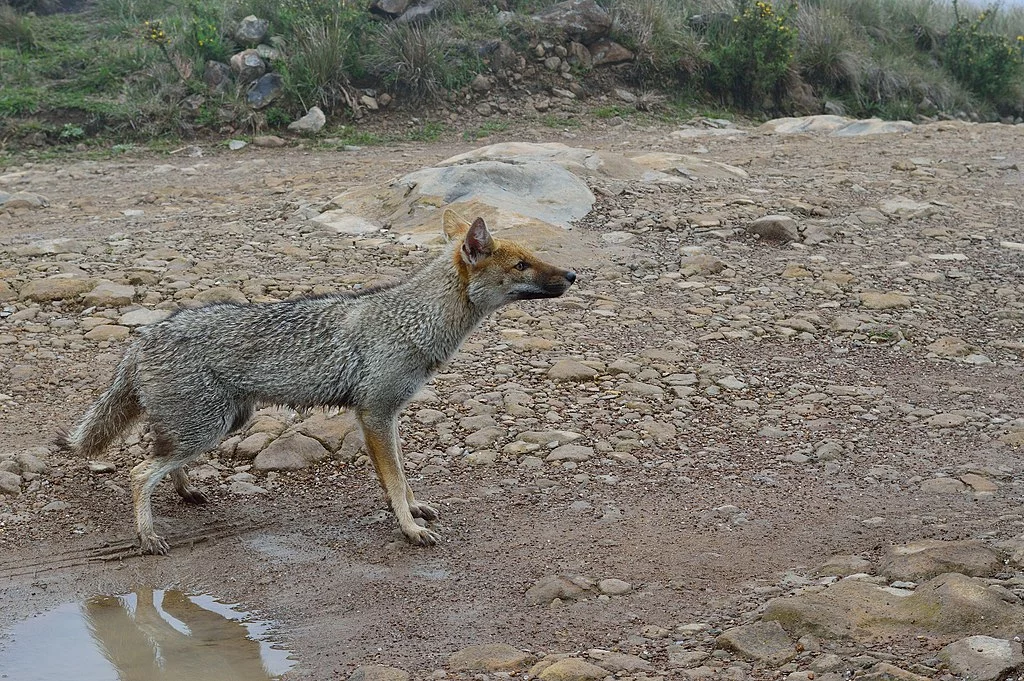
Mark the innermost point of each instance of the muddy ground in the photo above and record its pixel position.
(822, 432)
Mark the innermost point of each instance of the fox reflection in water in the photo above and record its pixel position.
(143, 644)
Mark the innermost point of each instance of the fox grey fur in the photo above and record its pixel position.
(201, 373)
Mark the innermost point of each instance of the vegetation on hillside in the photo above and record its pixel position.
(134, 69)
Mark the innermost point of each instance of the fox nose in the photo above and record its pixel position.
(570, 276)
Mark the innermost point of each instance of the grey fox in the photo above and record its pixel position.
(200, 373)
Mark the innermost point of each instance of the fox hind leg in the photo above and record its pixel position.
(183, 486)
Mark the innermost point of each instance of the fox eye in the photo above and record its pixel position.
(522, 265)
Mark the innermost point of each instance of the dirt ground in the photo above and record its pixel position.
(808, 411)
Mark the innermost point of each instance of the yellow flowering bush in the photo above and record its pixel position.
(988, 64)
(751, 61)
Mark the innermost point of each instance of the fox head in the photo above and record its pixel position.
(496, 271)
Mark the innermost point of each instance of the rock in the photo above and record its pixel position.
(55, 288)
(50, 247)
(489, 657)
(221, 294)
(619, 662)
(23, 200)
(906, 209)
(547, 589)
(983, 658)
(874, 300)
(10, 483)
(265, 90)
(481, 83)
(291, 451)
(251, 30)
(252, 445)
(108, 294)
(237, 145)
(852, 608)
(377, 672)
(582, 21)
(330, 430)
(217, 76)
(614, 587)
(369, 102)
(836, 126)
(950, 346)
(390, 8)
(484, 109)
(775, 228)
(101, 467)
(920, 560)
(883, 671)
(419, 13)
(108, 332)
(143, 317)
(248, 66)
(573, 669)
(569, 370)
(943, 486)
(571, 453)
(605, 51)
(311, 123)
(245, 488)
(872, 126)
(32, 460)
(764, 641)
(843, 566)
(533, 188)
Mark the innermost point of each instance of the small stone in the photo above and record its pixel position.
(108, 332)
(572, 371)
(983, 658)
(573, 669)
(109, 294)
(481, 83)
(762, 641)
(614, 587)
(55, 288)
(571, 453)
(101, 467)
(489, 657)
(873, 300)
(245, 488)
(143, 317)
(251, 30)
(292, 451)
(235, 145)
(775, 228)
(311, 123)
(10, 483)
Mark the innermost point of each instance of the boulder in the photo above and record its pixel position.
(764, 641)
(852, 608)
(248, 66)
(265, 90)
(927, 558)
(983, 658)
(251, 30)
(489, 657)
(311, 123)
(583, 21)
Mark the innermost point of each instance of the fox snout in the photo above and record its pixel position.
(551, 285)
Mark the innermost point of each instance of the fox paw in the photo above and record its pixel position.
(421, 536)
(154, 544)
(191, 495)
(423, 510)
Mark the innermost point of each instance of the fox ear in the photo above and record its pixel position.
(454, 224)
(478, 243)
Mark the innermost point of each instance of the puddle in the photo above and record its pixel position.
(149, 635)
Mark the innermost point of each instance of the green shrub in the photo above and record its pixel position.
(421, 62)
(658, 33)
(751, 59)
(317, 73)
(829, 55)
(16, 30)
(986, 63)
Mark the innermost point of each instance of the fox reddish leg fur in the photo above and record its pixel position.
(200, 374)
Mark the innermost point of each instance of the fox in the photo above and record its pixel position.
(201, 373)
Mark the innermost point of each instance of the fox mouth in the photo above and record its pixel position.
(546, 291)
